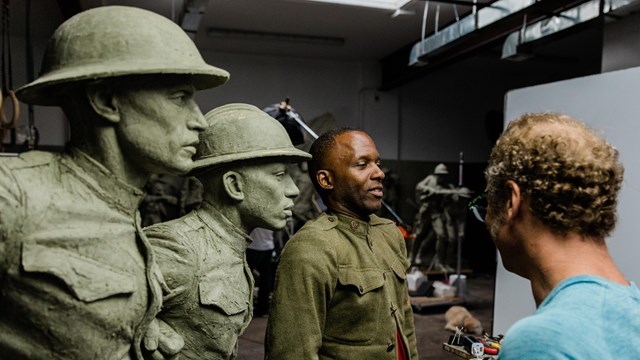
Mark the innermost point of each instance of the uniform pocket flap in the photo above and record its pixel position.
(364, 280)
(399, 269)
(230, 301)
(88, 279)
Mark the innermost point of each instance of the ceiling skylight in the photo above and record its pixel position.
(376, 4)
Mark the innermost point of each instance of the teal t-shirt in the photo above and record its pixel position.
(584, 317)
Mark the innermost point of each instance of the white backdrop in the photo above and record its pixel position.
(609, 102)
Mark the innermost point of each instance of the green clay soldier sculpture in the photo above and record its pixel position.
(77, 276)
(242, 163)
(438, 199)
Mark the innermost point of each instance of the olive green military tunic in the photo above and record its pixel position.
(341, 292)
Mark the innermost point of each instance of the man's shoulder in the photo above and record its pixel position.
(545, 336)
(176, 229)
(30, 159)
(30, 175)
(31, 166)
(315, 243)
(376, 220)
(178, 246)
(386, 227)
(533, 330)
(317, 233)
(324, 222)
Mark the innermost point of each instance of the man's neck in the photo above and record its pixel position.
(105, 150)
(339, 208)
(557, 258)
(230, 212)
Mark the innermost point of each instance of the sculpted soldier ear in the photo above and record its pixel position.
(102, 100)
(233, 183)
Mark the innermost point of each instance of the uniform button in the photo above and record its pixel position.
(390, 347)
(355, 225)
(332, 219)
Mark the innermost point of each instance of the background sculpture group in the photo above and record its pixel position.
(440, 219)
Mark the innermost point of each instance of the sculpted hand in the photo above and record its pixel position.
(161, 342)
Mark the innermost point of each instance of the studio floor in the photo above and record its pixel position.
(429, 323)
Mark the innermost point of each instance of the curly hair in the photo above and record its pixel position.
(320, 150)
(570, 174)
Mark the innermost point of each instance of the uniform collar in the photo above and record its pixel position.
(109, 188)
(353, 224)
(228, 233)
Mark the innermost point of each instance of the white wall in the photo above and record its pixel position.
(608, 102)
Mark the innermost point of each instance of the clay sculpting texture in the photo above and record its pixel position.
(202, 256)
(71, 268)
(241, 162)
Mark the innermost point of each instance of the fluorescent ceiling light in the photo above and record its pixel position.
(376, 4)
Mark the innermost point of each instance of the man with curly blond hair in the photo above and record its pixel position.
(552, 185)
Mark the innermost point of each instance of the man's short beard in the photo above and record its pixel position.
(499, 219)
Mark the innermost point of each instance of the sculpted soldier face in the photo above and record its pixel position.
(354, 175)
(159, 124)
(269, 192)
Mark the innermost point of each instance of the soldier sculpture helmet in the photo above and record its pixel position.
(113, 41)
(239, 132)
(441, 169)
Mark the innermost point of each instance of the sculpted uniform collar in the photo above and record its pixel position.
(229, 233)
(115, 192)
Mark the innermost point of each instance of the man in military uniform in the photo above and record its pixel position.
(341, 289)
(242, 163)
(78, 277)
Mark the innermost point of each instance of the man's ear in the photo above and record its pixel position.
(325, 179)
(233, 184)
(102, 100)
(514, 200)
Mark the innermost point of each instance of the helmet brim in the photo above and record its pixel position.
(48, 88)
(288, 154)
